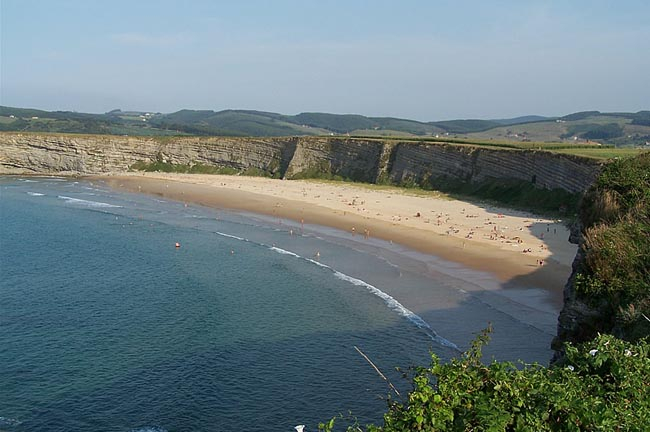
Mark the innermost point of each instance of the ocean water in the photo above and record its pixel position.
(106, 326)
(250, 325)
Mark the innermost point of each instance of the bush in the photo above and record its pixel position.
(160, 166)
(602, 385)
(615, 214)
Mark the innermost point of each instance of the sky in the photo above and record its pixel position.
(424, 60)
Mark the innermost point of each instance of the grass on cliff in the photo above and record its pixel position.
(507, 193)
(198, 169)
(616, 270)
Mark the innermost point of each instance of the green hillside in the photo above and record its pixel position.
(618, 129)
(231, 123)
(466, 126)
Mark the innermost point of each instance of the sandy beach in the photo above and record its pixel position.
(520, 249)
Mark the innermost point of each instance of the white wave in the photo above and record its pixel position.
(284, 252)
(320, 264)
(87, 203)
(34, 194)
(6, 421)
(230, 236)
(28, 180)
(397, 307)
(389, 300)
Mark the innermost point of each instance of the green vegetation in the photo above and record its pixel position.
(620, 129)
(580, 115)
(604, 132)
(615, 273)
(601, 152)
(229, 123)
(335, 122)
(511, 193)
(603, 385)
(397, 190)
(160, 166)
(642, 118)
(465, 126)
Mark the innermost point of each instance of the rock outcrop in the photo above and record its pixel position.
(365, 160)
(609, 289)
(424, 162)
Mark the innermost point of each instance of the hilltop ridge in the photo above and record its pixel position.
(619, 129)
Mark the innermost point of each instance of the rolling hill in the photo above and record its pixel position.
(620, 129)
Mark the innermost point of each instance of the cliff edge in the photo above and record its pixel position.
(609, 289)
(425, 164)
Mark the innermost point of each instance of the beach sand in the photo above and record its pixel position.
(504, 244)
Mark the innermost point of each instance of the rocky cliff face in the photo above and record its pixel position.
(89, 154)
(422, 163)
(578, 321)
(355, 159)
(363, 160)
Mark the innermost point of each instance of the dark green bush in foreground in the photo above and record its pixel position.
(603, 385)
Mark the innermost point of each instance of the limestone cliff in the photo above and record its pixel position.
(94, 154)
(366, 160)
(425, 162)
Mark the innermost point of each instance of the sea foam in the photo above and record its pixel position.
(230, 236)
(387, 298)
(87, 203)
(6, 421)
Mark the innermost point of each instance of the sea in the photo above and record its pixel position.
(128, 312)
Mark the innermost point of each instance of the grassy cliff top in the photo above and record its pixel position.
(618, 129)
(615, 272)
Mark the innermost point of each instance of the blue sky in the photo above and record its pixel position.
(426, 60)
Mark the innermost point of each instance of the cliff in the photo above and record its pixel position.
(609, 289)
(367, 160)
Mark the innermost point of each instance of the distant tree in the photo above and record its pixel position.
(608, 131)
(642, 118)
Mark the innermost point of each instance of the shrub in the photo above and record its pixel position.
(615, 214)
(602, 385)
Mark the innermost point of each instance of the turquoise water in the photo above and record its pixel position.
(105, 325)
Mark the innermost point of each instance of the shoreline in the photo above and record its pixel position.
(482, 238)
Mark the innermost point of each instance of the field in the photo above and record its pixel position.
(584, 128)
